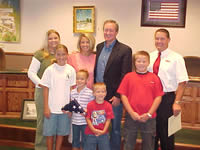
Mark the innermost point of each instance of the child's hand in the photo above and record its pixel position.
(144, 117)
(47, 112)
(98, 132)
(68, 113)
(135, 116)
(84, 113)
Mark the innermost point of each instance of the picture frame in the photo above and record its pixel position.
(28, 110)
(163, 13)
(83, 19)
(10, 21)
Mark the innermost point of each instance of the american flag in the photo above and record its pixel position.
(164, 10)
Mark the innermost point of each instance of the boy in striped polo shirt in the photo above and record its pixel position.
(83, 95)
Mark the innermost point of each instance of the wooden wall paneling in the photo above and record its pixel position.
(15, 88)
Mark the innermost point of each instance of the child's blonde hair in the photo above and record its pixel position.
(58, 47)
(84, 71)
(97, 85)
(143, 53)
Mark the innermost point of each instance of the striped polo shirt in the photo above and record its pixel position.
(83, 98)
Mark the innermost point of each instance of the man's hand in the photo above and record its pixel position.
(115, 101)
(176, 109)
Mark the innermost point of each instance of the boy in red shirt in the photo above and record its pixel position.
(99, 115)
(141, 93)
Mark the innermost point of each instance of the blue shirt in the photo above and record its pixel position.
(102, 61)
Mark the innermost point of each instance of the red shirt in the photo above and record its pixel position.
(98, 114)
(141, 90)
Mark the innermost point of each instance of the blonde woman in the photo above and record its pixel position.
(85, 58)
(40, 61)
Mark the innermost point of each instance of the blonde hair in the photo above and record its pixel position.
(45, 49)
(91, 39)
(141, 52)
(97, 85)
(60, 46)
(84, 71)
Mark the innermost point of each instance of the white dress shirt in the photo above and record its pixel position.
(172, 69)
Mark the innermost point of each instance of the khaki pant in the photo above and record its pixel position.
(40, 140)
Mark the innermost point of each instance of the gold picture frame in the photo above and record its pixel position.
(83, 19)
(28, 110)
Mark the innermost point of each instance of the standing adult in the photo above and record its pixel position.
(40, 61)
(85, 58)
(170, 67)
(113, 61)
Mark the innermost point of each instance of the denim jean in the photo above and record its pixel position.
(93, 141)
(147, 130)
(115, 135)
(78, 135)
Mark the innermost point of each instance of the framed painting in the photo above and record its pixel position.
(9, 20)
(28, 110)
(83, 19)
(163, 13)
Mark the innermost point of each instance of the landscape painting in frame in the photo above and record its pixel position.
(9, 20)
(83, 19)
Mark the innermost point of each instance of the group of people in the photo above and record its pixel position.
(102, 83)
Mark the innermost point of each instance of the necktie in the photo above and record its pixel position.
(156, 64)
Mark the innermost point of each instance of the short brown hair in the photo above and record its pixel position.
(114, 22)
(97, 85)
(164, 31)
(84, 71)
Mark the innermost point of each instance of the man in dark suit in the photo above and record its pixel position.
(113, 61)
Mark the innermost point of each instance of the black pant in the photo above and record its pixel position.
(164, 111)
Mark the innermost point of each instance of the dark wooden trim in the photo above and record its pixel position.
(16, 143)
(19, 53)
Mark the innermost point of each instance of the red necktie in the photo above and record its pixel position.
(156, 64)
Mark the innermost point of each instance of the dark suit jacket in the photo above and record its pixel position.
(119, 63)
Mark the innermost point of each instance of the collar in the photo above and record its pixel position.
(81, 90)
(142, 73)
(111, 45)
(165, 52)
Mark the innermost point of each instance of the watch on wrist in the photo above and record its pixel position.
(177, 102)
(149, 115)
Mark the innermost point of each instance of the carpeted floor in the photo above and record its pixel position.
(186, 136)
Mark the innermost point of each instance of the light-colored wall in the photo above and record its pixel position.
(37, 16)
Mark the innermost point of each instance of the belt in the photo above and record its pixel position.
(169, 93)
